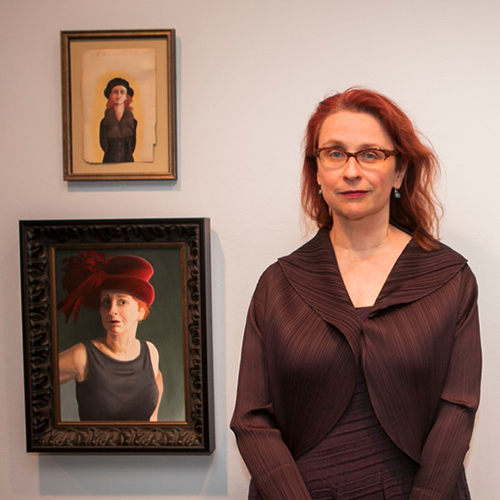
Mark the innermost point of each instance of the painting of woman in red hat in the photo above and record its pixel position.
(117, 376)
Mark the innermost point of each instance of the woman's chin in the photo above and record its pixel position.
(115, 331)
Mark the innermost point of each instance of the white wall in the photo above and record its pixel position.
(249, 75)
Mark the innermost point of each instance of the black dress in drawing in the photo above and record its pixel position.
(118, 137)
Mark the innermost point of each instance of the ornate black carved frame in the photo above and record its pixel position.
(45, 432)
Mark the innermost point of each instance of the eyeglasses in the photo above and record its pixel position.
(337, 157)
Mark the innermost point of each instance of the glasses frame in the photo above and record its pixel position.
(387, 153)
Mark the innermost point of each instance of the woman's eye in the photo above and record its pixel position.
(371, 155)
(335, 154)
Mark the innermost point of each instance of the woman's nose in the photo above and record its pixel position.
(352, 169)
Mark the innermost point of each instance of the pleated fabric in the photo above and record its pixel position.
(357, 460)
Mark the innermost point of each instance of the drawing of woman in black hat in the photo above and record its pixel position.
(117, 375)
(117, 134)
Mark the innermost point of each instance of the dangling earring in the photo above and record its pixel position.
(319, 191)
(397, 194)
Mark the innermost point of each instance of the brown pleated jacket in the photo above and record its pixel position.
(419, 349)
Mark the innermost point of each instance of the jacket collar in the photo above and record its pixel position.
(313, 272)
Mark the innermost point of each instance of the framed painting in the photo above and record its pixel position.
(117, 335)
(118, 105)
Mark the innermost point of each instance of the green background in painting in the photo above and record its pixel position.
(163, 327)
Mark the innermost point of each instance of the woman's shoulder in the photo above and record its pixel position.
(304, 255)
(74, 361)
(152, 348)
(80, 354)
(441, 256)
(77, 349)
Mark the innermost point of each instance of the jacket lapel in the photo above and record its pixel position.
(418, 273)
(313, 272)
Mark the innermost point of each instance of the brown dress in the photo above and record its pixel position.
(357, 459)
(305, 353)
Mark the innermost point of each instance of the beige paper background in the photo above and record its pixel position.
(138, 67)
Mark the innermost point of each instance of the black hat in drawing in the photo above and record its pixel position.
(118, 81)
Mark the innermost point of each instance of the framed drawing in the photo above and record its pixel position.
(118, 104)
(117, 335)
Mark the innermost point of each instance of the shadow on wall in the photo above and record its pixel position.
(168, 476)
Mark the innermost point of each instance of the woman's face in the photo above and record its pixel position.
(351, 191)
(118, 94)
(120, 312)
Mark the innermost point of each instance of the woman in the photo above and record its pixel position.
(361, 360)
(117, 135)
(117, 376)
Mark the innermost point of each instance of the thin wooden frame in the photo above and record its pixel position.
(145, 59)
(175, 247)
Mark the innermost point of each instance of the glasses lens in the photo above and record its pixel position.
(333, 156)
(370, 156)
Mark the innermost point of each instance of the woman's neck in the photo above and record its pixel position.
(366, 254)
(119, 110)
(120, 344)
(361, 236)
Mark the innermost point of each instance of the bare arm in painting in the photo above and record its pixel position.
(155, 358)
(73, 364)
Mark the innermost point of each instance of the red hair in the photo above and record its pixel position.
(143, 305)
(417, 209)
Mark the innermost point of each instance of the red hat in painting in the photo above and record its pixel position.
(89, 273)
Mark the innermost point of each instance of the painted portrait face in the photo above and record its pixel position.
(353, 191)
(119, 94)
(120, 312)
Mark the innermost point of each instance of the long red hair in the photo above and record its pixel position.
(417, 209)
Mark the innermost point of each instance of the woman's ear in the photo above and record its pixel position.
(400, 175)
(142, 312)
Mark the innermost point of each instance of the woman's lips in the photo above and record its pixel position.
(358, 193)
